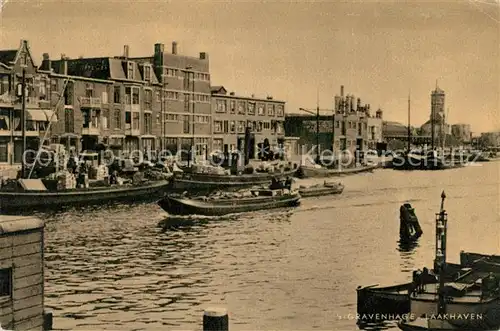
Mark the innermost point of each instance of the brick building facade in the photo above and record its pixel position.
(38, 109)
(232, 114)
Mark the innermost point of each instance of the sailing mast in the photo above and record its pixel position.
(409, 125)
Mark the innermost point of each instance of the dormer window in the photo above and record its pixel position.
(147, 73)
(130, 71)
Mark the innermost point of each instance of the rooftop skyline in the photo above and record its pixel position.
(380, 51)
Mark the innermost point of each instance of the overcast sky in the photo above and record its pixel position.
(378, 50)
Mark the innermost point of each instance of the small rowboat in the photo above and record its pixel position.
(320, 190)
(218, 206)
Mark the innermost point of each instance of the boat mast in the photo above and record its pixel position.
(432, 119)
(317, 126)
(409, 127)
(61, 98)
(440, 259)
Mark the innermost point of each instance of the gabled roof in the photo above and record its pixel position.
(218, 89)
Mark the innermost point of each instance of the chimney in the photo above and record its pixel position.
(203, 56)
(174, 47)
(159, 48)
(253, 96)
(125, 51)
(269, 97)
(341, 91)
(63, 66)
(232, 93)
(158, 60)
(46, 63)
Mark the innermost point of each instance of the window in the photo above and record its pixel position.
(116, 94)
(43, 89)
(241, 126)
(267, 125)
(128, 120)
(251, 108)
(128, 95)
(68, 94)
(217, 145)
(147, 73)
(148, 99)
(281, 111)
(130, 71)
(270, 110)
(148, 124)
(104, 97)
(4, 155)
(105, 119)
(260, 109)
(4, 84)
(6, 282)
(135, 95)
(69, 124)
(23, 59)
(118, 119)
(158, 96)
(186, 124)
(232, 106)
(241, 107)
(217, 126)
(233, 126)
(225, 128)
(260, 126)
(170, 72)
(136, 121)
(221, 106)
(337, 124)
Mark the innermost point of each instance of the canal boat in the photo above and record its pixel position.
(468, 258)
(320, 172)
(321, 189)
(222, 204)
(209, 182)
(27, 200)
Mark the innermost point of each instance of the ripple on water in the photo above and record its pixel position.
(132, 268)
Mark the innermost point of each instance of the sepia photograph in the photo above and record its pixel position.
(242, 165)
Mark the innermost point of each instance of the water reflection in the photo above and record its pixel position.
(407, 247)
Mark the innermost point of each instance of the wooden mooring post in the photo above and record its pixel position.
(215, 319)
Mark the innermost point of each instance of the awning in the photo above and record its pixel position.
(36, 115)
(51, 116)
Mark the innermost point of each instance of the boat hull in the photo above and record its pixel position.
(321, 191)
(24, 201)
(383, 302)
(465, 315)
(209, 182)
(311, 172)
(185, 206)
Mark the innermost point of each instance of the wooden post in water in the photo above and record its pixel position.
(215, 319)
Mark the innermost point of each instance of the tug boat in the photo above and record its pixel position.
(223, 204)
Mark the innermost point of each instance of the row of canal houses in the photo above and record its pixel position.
(159, 102)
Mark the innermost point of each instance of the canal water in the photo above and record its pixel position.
(115, 268)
